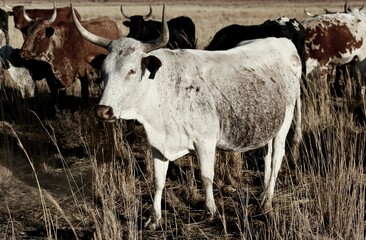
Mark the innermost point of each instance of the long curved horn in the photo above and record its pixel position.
(163, 39)
(309, 14)
(124, 13)
(6, 6)
(363, 5)
(100, 41)
(29, 19)
(147, 16)
(328, 12)
(54, 15)
(346, 9)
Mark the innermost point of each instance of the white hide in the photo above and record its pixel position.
(23, 81)
(2, 37)
(240, 99)
(17, 78)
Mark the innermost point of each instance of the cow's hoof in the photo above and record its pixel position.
(151, 225)
(209, 216)
(267, 208)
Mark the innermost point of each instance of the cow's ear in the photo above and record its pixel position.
(152, 64)
(95, 60)
(126, 23)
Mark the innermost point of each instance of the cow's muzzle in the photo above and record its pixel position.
(25, 54)
(104, 113)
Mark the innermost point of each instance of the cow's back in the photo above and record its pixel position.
(109, 30)
(257, 100)
(227, 86)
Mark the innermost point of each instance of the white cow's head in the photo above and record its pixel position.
(126, 70)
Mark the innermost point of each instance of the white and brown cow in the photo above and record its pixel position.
(240, 99)
(335, 38)
(13, 76)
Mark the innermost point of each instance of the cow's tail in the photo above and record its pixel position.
(297, 137)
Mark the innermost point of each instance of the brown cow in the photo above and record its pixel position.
(20, 22)
(61, 45)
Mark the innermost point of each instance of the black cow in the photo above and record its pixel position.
(228, 37)
(4, 27)
(182, 31)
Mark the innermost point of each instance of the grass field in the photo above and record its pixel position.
(72, 177)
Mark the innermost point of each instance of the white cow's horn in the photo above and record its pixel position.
(54, 15)
(7, 6)
(91, 37)
(163, 39)
(29, 19)
(309, 14)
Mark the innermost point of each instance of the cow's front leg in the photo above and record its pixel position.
(160, 170)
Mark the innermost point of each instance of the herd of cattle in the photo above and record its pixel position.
(240, 93)
(54, 51)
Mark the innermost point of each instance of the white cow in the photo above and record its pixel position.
(17, 78)
(240, 99)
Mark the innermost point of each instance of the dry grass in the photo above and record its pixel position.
(91, 181)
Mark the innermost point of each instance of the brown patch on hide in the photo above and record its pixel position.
(331, 39)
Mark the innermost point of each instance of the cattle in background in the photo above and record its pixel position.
(228, 37)
(240, 99)
(337, 39)
(14, 76)
(38, 70)
(22, 23)
(181, 29)
(4, 27)
(64, 49)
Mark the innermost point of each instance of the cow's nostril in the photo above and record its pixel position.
(104, 112)
(109, 113)
(24, 54)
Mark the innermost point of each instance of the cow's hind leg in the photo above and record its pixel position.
(274, 159)
(160, 170)
(206, 155)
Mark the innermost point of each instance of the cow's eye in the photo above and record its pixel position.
(131, 72)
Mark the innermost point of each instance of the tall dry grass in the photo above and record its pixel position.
(105, 191)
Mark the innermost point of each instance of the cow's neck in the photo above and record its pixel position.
(66, 62)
